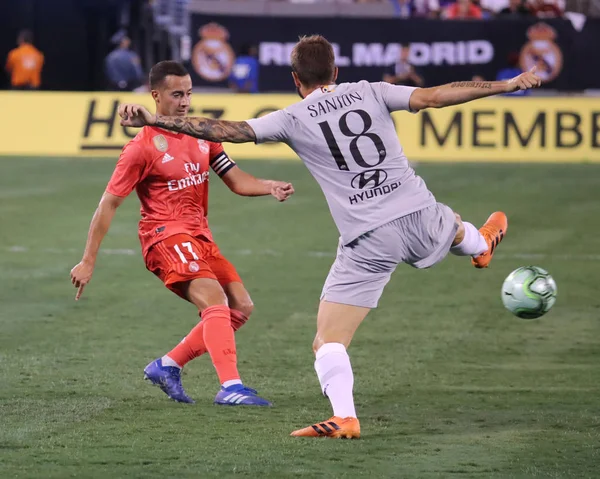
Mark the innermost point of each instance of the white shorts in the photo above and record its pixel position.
(362, 268)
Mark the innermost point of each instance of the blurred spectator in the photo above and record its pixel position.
(416, 8)
(403, 73)
(463, 10)
(403, 8)
(444, 5)
(512, 70)
(24, 63)
(491, 8)
(516, 8)
(123, 67)
(477, 78)
(244, 74)
(543, 9)
(426, 8)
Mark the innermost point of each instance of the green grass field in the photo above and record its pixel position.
(448, 383)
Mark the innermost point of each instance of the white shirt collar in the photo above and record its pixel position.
(322, 90)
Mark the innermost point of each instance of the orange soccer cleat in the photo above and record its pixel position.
(335, 427)
(493, 231)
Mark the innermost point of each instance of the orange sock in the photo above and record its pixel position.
(187, 349)
(193, 344)
(220, 341)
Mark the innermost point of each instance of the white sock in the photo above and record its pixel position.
(333, 368)
(473, 244)
(167, 361)
(231, 382)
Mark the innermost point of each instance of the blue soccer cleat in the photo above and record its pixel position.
(168, 378)
(239, 395)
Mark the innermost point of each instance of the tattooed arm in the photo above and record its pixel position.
(464, 91)
(207, 129)
(218, 131)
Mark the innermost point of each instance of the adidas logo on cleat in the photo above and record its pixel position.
(234, 398)
(497, 240)
(325, 428)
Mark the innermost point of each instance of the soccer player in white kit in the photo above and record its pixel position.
(384, 212)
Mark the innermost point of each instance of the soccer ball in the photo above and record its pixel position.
(529, 292)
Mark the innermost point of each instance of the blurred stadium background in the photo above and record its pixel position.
(448, 383)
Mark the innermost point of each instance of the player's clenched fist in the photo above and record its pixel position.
(525, 81)
(81, 275)
(281, 190)
(135, 115)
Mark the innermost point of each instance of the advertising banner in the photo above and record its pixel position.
(495, 129)
(366, 48)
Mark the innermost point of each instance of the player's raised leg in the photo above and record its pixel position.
(480, 244)
(493, 231)
(336, 325)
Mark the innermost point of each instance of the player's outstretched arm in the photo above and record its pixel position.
(81, 274)
(244, 184)
(219, 131)
(464, 91)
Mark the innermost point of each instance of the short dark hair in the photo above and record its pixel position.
(26, 36)
(163, 69)
(313, 61)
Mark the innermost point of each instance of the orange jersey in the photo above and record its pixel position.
(25, 66)
(169, 172)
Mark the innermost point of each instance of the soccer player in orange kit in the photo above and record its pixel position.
(170, 172)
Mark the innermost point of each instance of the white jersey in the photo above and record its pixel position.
(346, 137)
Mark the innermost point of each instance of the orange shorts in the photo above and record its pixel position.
(181, 258)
